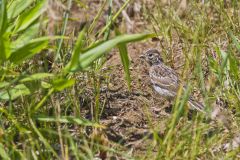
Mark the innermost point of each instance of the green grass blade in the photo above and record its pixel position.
(3, 17)
(27, 18)
(17, 7)
(63, 30)
(225, 57)
(234, 63)
(61, 84)
(4, 47)
(35, 77)
(68, 119)
(108, 20)
(4, 84)
(4, 37)
(114, 18)
(15, 92)
(77, 49)
(30, 49)
(96, 18)
(125, 60)
(26, 36)
(3, 153)
(41, 138)
(235, 41)
(86, 59)
(44, 99)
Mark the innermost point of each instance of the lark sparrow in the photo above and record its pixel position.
(164, 79)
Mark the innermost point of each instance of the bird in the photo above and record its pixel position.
(164, 79)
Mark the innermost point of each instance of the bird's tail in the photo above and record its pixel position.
(196, 105)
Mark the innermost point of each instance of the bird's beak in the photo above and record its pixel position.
(142, 56)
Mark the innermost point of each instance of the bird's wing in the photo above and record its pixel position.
(164, 77)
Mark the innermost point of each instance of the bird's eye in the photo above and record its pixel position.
(150, 54)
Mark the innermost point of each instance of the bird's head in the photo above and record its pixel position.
(152, 56)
